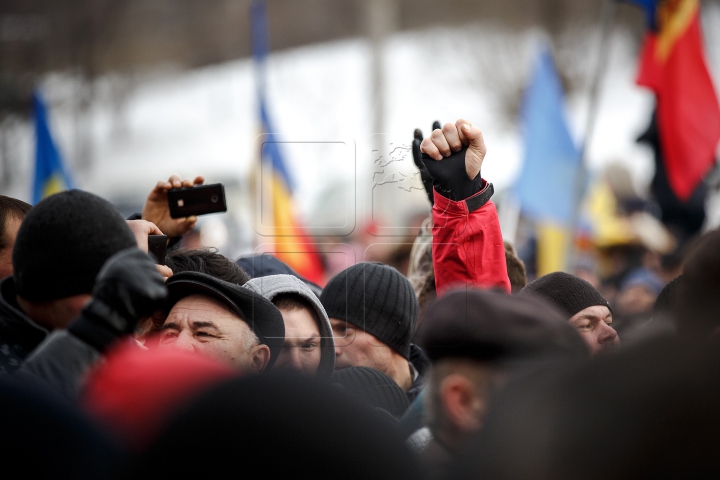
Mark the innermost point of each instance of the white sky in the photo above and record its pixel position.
(204, 122)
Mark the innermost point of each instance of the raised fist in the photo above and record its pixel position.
(453, 157)
(451, 139)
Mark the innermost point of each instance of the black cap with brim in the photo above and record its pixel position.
(496, 327)
(259, 313)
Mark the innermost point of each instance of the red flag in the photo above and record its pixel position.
(672, 64)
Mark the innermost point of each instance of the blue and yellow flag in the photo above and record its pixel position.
(548, 182)
(292, 244)
(50, 173)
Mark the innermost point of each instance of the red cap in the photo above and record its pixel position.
(135, 392)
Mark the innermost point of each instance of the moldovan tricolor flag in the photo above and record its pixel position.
(292, 244)
(672, 64)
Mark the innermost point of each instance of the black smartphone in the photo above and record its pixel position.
(157, 247)
(200, 200)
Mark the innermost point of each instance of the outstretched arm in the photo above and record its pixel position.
(467, 242)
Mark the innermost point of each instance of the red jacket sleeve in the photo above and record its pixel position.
(468, 247)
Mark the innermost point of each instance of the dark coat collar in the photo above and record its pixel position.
(16, 328)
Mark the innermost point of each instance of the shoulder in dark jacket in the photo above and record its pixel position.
(18, 334)
(420, 361)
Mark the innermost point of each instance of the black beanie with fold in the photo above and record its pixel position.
(373, 388)
(378, 299)
(62, 244)
(569, 293)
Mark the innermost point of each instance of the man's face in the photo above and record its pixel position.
(201, 324)
(301, 348)
(12, 225)
(355, 347)
(595, 326)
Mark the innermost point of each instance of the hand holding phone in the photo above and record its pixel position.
(156, 208)
(157, 247)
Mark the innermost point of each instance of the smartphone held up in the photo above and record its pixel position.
(197, 200)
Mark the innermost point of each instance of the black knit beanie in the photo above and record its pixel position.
(373, 388)
(376, 298)
(569, 293)
(62, 244)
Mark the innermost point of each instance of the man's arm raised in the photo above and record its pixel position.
(467, 241)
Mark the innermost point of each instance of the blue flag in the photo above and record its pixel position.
(548, 182)
(50, 174)
(295, 250)
(261, 48)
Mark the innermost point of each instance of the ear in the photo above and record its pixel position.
(464, 406)
(260, 357)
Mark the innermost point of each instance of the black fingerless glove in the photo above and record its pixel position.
(450, 177)
(127, 288)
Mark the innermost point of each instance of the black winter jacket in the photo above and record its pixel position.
(421, 362)
(18, 334)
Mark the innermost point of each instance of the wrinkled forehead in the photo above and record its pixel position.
(595, 311)
(202, 307)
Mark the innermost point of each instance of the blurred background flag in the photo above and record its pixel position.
(51, 176)
(649, 7)
(292, 243)
(672, 64)
(548, 181)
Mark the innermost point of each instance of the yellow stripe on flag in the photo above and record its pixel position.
(289, 247)
(674, 17)
(552, 243)
(53, 185)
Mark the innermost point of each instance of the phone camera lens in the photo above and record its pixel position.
(214, 199)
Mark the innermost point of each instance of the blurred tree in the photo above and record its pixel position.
(88, 38)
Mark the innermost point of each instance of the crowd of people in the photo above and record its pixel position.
(112, 366)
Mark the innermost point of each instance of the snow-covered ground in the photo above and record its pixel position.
(204, 122)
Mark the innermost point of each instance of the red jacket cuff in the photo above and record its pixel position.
(452, 207)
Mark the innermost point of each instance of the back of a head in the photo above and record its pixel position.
(281, 424)
(46, 438)
(421, 272)
(567, 292)
(495, 327)
(63, 243)
(12, 213)
(668, 297)
(374, 388)
(134, 392)
(647, 412)
(697, 302)
(10, 208)
(515, 268)
(264, 265)
(206, 260)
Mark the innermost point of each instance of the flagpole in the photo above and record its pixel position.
(607, 24)
(260, 52)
